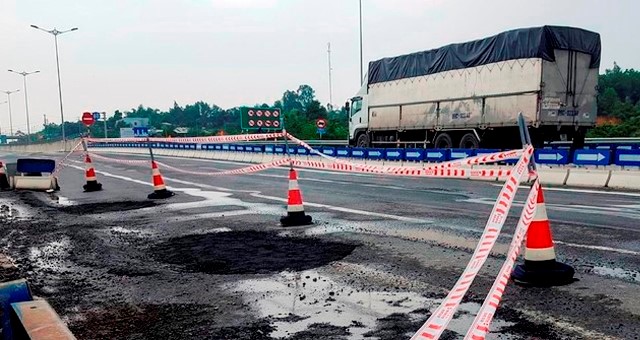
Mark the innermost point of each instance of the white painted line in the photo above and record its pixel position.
(352, 211)
(586, 246)
(583, 191)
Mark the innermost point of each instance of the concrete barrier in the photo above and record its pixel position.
(588, 177)
(625, 179)
(40, 147)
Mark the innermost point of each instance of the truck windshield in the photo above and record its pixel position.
(356, 106)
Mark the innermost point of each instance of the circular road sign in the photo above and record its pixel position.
(267, 123)
(252, 123)
(321, 123)
(259, 123)
(87, 119)
(250, 113)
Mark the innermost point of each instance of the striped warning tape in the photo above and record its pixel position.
(245, 170)
(120, 161)
(61, 164)
(210, 139)
(439, 320)
(480, 326)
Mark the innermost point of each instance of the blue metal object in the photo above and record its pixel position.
(358, 153)
(258, 148)
(437, 155)
(375, 153)
(301, 150)
(462, 153)
(544, 156)
(330, 151)
(591, 157)
(35, 166)
(343, 152)
(268, 148)
(414, 155)
(10, 292)
(627, 157)
(292, 150)
(394, 154)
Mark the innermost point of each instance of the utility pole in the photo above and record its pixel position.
(361, 58)
(330, 84)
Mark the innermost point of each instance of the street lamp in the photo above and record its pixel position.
(55, 34)
(361, 59)
(9, 104)
(26, 101)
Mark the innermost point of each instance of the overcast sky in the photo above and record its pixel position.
(242, 52)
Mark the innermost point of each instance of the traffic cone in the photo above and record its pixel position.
(540, 267)
(295, 207)
(90, 174)
(4, 180)
(159, 189)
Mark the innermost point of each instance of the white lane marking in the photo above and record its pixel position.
(349, 210)
(583, 209)
(279, 199)
(586, 246)
(583, 191)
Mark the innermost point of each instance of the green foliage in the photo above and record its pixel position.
(619, 97)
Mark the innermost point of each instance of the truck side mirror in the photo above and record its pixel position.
(346, 107)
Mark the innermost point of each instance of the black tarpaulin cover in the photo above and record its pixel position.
(536, 42)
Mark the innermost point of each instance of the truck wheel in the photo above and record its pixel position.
(443, 141)
(469, 141)
(363, 141)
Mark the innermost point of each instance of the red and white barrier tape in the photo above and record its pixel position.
(400, 171)
(476, 160)
(439, 320)
(210, 139)
(245, 170)
(121, 161)
(61, 164)
(480, 326)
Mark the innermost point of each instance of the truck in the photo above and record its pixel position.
(469, 95)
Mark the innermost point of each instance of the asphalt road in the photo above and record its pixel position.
(213, 261)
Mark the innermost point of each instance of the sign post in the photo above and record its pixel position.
(321, 124)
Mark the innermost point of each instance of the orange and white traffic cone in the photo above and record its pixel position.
(295, 207)
(90, 175)
(540, 267)
(4, 180)
(159, 189)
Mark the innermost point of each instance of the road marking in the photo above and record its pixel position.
(279, 199)
(583, 191)
(348, 210)
(586, 246)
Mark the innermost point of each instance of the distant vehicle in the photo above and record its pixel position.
(468, 95)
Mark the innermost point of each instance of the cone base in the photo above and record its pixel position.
(543, 274)
(161, 194)
(92, 186)
(295, 219)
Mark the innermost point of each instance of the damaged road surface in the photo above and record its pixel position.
(214, 263)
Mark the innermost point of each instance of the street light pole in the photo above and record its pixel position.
(55, 34)
(361, 58)
(9, 104)
(26, 99)
(4, 102)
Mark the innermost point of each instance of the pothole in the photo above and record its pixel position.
(249, 252)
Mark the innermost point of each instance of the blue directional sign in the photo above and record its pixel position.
(591, 157)
(552, 156)
(358, 153)
(437, 155)
(268, 148)
(302, 150)
(414, 155)
(375, 153)
(329, 151)
(395, 154)
(278, 149)
(627, 157)
(462, 153)
(343, 152)
(96, 116)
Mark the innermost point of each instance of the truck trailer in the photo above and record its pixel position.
(469, 95)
